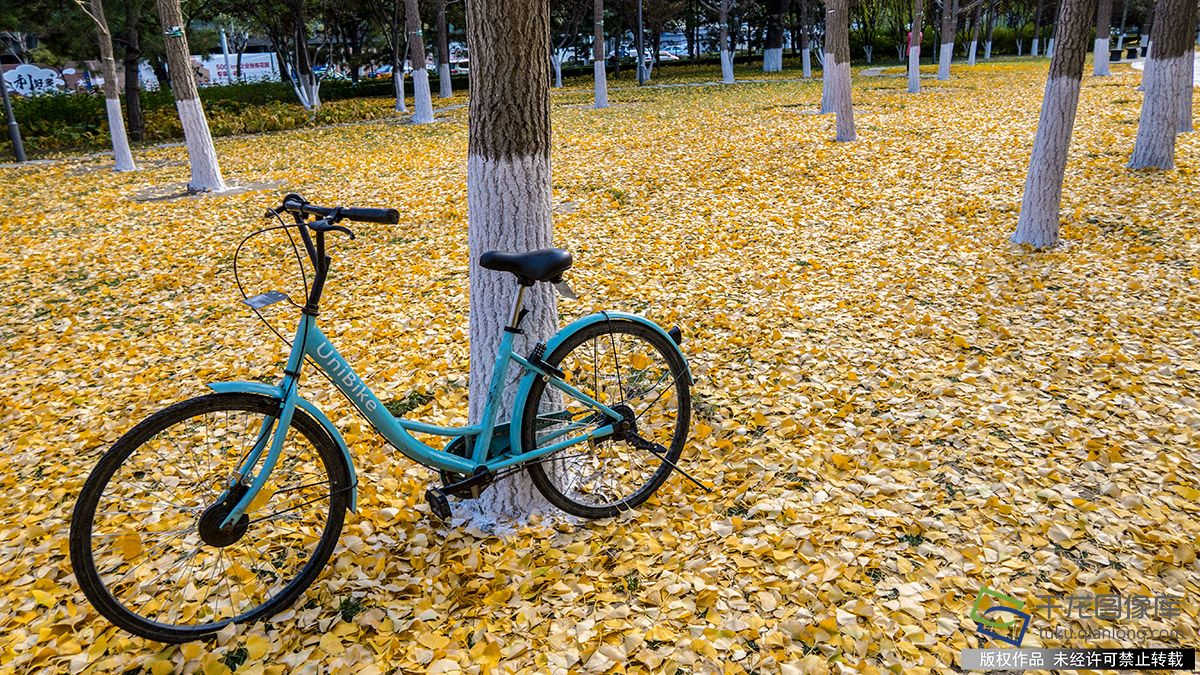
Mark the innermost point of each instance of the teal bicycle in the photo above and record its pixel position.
(225, 508)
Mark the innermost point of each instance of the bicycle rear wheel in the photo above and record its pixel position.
(146, 546)
(633, 369)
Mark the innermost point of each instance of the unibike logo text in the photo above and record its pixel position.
(345, 378)
(988, 611)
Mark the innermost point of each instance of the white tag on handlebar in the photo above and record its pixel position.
(564, 289)
(264, 299)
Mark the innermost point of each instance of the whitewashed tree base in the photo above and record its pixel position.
(1037, 225)
(556, 63)
(806, 63)
(398, 85)
(445, 86)
(773, 60)
(1033, 49)
(600, 88)
(944, 57)
(508, 208)
(1100, 57)
(971, 48)
(206, 172)
(1163, 80)
(838, 86)
(120, 141)
(726, 67)
(987, 51)
(422, 100)
(914, 69)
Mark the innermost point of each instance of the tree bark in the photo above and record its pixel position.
(446, 88)
(837, 67)
(508, 198)
(600, 78)
(773, 48)
(422, 100)
(304, 71)
(112, 99)
(949, 28)
(202, 155)
(133, 55)
(914, 47)
(1100, 50)
(1037, 224)
(1188, 98)
(1165, 81)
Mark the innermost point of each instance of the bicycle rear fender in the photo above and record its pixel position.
(562, 334)
(275, 393)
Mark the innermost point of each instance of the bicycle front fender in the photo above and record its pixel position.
(312, 410)
(579, 324)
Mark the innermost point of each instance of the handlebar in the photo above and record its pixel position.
(297, 205)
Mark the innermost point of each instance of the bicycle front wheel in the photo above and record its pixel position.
(633, 369)
(146, 543)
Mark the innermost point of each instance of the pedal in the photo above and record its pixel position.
(439, 504)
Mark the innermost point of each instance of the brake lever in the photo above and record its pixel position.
(323, 225)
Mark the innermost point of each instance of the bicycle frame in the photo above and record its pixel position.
(310, 341)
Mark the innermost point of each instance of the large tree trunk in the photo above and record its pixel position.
(773, 49)
(112, 100)
(1038, 223)
(1100, 49)
(726, 54)
(1165, 80)
(837, 66)
(805, 31)
(914, 47)
(445, 86)
(508, 198)
(133, 55)
(202, 155)
(949, 28)
(600, 78)
(422, 100)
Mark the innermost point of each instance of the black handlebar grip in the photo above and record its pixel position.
(384, 216)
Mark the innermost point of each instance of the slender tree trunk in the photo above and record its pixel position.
(773, 49)
(1165, 80)
(805, 32)
(914, 47)
(1037, 28)
(202, 155)
(991, 25)
(1121, 30)
(726, 55)
(446, 88)
(1038, 223)
(397, 59)
(556, 64)
(600, 78)
(112, 100)
(133, 55)
(837, 66)
(508, 198)
(949, 28)
(971, 48)
(304, 71)
(422, 100)
(1100, 49)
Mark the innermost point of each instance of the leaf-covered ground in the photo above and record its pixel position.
(895, 406)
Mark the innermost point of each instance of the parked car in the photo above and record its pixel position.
(381, 73)
(460, 67)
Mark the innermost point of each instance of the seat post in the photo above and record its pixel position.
(517, 306)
